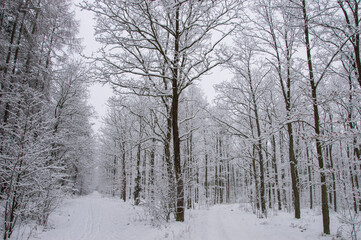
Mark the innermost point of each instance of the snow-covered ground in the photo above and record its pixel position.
(95, 217)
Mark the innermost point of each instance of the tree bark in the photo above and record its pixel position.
(177, 158)
(286, 92)
(274, 161)
(175, 127)
(259, 147)
(294, 172)
(324, 197)
(124, 174)
(355, 38)
(137, 181)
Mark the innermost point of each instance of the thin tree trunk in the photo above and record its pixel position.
(259, 147)
(114, 174)
(215, 191)
(124, 175)
(286, 92)
(228, 188)
(333, 180)
(255, 178)
(137, 181)
(309, 170)
(220, 173)
(151, 171)
(206, 168)
(355, 38)
(274, 161)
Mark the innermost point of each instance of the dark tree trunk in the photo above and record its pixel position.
(114, 175)
(151, 171)
(257, 198)
(228, 186)
(169, 165)
(259, 147)
(309, 170)
(324, 197)
(206, 169)
(274, 162)
(355, 35)
(177, 158)
(286, 92)
(333, 194)
(294, 172)
(215, 188)
(137, 187)
(175, 127)
(220, 173)
(124, 175)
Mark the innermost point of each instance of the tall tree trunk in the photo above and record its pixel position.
(215, 188)
(286, 92)
(355, 34)
(330, 157)
(7, 80)
(259, 146)
(137, 181)
(294, 172)
(353, 188)
(257, 197)
(334, 192)
(274, 162)
(177, 158)
(151, 171)
(220, 172)
(114, 174)
(324, 197)
(205, 168)
(167, 157)
(309, 170)
(124, 174)
(175, 127)
(228, 187)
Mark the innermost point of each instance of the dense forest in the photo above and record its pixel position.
(282, 135)
(46, 141)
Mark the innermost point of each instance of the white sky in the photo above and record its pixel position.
(99, 93)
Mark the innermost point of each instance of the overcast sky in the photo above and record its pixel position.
(98, 93)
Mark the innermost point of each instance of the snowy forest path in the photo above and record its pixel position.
(215, 226)
(94, 217)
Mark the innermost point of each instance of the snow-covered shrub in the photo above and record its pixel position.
(351, 224)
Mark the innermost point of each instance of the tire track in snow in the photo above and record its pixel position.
(86, 227)
(220, 226)
(82, 224)
(96, 223)
(93, 225)
(94, 217)
(213, 226)
(91, 230)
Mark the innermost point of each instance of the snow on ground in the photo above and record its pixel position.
(229, 222)
(94, 217)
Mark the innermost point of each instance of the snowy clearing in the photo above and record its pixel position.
(95, 217)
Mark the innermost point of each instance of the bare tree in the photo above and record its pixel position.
(313, 85)
(147, 42)
(274, 29)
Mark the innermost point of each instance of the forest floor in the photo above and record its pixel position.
(95, 217)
